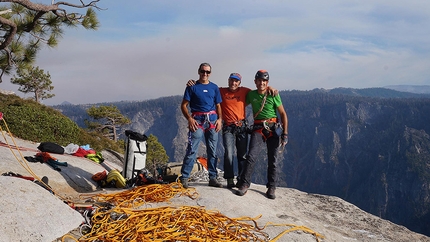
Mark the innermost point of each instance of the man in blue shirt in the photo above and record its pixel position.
(204, 99)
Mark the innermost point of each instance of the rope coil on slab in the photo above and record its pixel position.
(125, 220)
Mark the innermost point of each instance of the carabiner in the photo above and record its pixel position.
(266, 126)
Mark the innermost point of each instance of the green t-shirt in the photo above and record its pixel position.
(269, 109)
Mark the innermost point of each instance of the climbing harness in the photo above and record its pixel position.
(236, 127)
(265, 127)
(204, 118)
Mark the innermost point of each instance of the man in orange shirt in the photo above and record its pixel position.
(234, 126)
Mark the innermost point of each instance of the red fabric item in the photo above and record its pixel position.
(81, 152)
(91, 151)
(99, 176)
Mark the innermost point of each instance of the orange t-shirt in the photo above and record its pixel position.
(233, 104)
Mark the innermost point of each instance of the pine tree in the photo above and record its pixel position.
(27, 26)
(34, 80)
(108, 118)
(155, 154)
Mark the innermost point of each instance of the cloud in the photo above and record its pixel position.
(150, 49)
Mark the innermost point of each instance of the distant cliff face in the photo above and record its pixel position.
(374, 153)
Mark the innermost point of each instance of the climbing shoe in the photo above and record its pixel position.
(271, 193)
(230, 183)
(184, 182)
(242, 190)
(45, 180)
(214, 183)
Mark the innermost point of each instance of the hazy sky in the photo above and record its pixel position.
(149, 49)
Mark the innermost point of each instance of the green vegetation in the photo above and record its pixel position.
(108, 119)
(29, 120)
(155, 154)
(27, 27)
(34, 80)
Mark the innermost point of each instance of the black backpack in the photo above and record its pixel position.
(51, 148)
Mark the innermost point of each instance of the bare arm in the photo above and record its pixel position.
(284, 120)
(192, 123)
(272, 91)
(218, 124)
(191, 82)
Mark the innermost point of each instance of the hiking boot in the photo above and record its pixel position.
(271, 193)
(239, 183)
(242, 190)
(214, 183)
(230, 183)
(184, 182)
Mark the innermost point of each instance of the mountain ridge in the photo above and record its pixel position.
(399, 91)
(373, 152)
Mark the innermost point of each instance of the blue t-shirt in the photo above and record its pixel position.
(203, 97)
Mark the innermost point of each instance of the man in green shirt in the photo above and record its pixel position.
(266, 129)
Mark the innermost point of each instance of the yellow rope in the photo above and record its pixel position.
(293, 228)
(21, 160)
(185, 223)
(68, 236)
(127, 221)
(140, 195)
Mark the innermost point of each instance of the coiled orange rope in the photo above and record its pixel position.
(140, 195)
(185, 223)
(127, 222)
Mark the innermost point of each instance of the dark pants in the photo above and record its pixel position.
(234, 137)
(255, 146)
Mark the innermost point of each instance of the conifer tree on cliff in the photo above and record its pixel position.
(27, 26)
(108, 119)
(155, 154)
(34, 80)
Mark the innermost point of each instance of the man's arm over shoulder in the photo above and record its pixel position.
(272, 91)
(191, 83)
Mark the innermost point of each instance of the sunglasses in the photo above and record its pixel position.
(203, 71)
